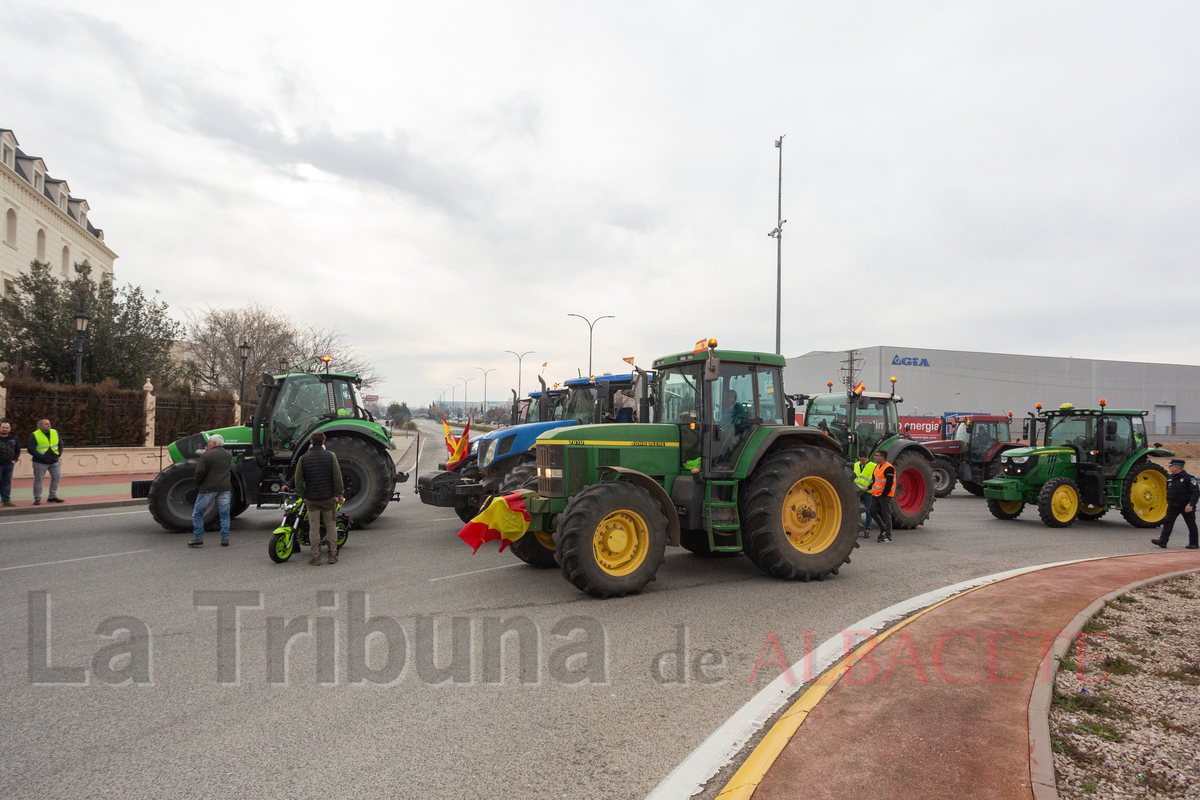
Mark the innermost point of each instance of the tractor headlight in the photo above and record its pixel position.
(549, 472)
(1018, 459)
(486, 452)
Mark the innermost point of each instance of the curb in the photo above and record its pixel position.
(67, 507)
(1041, 757)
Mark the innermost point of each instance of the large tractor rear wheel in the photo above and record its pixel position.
(172, 496)
(801, 514)
(611, 539)
(366, 479)
(1058, 502)
(1144, 495)
(944, 477)
(534, 548)
(913, 502)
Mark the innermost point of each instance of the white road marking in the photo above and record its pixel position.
(68, 560)
(79, 516)
(473, 572)
(724, 744)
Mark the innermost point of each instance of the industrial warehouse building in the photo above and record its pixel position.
(936, 382)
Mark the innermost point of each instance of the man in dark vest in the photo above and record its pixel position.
(319, 482)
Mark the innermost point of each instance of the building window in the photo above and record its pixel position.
(9, 287)
(37, 181)
(8, 154)
(66, 263)
(62, 202)
(41, 245)
(10, 227)
(83, 218)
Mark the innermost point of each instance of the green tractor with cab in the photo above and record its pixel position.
(721, 470)
(1090, 460)
(291, 407)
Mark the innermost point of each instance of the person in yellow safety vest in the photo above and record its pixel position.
(882, 491)
(864, 477)
(46, 451)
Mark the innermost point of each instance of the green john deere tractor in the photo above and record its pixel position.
(866, 423)
(1091, 460)
(720, 471)
(290, 409)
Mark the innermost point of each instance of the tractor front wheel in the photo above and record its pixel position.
(172, 496)
(1058, 502)
(611, 539)
(913, 502)
(944, 477)
(535, 548)
(366, 479)
(1005, 509)
(801, 514)
(1089, 513)
(1143, 495)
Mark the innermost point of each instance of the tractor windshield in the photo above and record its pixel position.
(962, 433)
(1072, 431)
(580, 404)
(985, 435)
(347, 400)
(678, 395)
(830, 414)
(303, 401)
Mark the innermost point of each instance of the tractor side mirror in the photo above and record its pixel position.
(791, 414)
(1025, 430)
(712, 368)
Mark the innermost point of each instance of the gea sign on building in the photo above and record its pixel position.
(910, 361)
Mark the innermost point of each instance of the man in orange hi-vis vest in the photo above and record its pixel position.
(882, 492)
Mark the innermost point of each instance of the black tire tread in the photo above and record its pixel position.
(994, 506)
(1044, 498)
(372, 458)
(577, 525)
(900, 519)
(160, 488)
(947, 466)
(528, 548)
(1127, 511)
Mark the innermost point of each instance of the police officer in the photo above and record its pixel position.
(864, 476)
(1183, 493)
(882, 491)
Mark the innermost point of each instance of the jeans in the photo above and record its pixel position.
(881, 510)
(321, 512)
(1173, 513)
(6, 471)
(203, 501)
(865, 499)
(39, 471)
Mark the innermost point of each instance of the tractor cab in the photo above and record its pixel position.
(979, 434)
(1105, 439)
(860, 424)
(298, 402)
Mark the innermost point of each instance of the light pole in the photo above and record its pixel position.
(244, 352)
(283, 366)
(81, 323)
(465, 406)
(591, 325)
(451, 387)
(519, 357)
(485, 372)
(777, 235)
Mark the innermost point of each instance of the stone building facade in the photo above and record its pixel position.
(41, 220)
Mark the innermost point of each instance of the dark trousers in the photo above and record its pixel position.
(6, 471)
(1189, 519)
(865, 499)
(881, 510)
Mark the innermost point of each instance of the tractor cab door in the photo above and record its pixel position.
(677, 401)
(1117, 443)
(732, 411)
(346, 400)
(874, 421)
(302, 403)
(985, 436)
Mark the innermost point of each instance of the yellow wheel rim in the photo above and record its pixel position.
(545, 540)
(1064, 504)
(1010, 506)
(1091, 511)
(812, 515)
(621, 542)
(1148, 495)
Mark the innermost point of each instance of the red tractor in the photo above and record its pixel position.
(971, 454)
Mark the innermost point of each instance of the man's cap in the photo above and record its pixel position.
(1178, 462)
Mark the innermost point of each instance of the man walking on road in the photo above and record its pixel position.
(319, 483)
(882, 492)
(864, 476)
(10, 453)
(212, 483)
(1183, 492)
(46, 451)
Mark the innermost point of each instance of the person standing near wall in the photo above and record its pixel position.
(46, 450)
(10, 453)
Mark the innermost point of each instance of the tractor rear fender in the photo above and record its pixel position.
(906, 445)
(657, 492)
(784, 436)
(1145, 452)
(342, 430)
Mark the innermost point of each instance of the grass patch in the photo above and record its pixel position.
(1174, 727)
(1100, 731)
(1182, 677)
(1093, 625)
(1112, 606)
(1075, 753)
(1125, 599)
(1168, 619)
(1088, 785)
(1118, 666)
(1068, 664)
(1183, 593)
(1153, 632)
(1096, 704)
(1117, 637)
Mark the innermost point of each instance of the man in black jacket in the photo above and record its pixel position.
(212, 483)
(46, 450)
(10, 454)
(319, 482)
(1183, 492)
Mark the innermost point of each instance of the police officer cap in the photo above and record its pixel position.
(1178, 462)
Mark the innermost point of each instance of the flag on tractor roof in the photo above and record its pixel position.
(460, 448)
(859, 387)
(505, 518)
(628, 360)
(701, 346)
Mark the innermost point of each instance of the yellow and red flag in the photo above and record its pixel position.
(505, 518)
(701, 346)
(460, 447)
(859, 387)
(451, 442)
(628, 361)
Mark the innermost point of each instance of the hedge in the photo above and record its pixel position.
(180, 414)
(101, 415)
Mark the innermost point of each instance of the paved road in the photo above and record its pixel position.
(185, 733)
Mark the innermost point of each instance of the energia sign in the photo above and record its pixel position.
(910, 361)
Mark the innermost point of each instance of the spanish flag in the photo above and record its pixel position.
(701, 346)
(505, 518)
(451, 442)
(859, 387)
(460, 447)
(628, 361)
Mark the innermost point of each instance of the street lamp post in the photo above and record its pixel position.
(485, 372)
(81, 324)
(777, 235)
(519, 357)
(466, 407)
(283, 365)
(591, 324)
(451, 387)
(244, 352)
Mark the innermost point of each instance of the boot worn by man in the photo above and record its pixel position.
(315, 560)
(1159, 542)
(332, 556)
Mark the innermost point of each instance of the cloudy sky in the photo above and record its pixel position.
(447, 181)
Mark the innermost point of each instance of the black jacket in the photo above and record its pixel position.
(212, 471)
(10, 449)
(1182, 491)
(49, 457)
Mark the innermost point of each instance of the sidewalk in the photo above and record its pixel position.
(939, 705)
(78, 491)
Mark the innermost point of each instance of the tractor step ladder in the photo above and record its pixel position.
(715, 529)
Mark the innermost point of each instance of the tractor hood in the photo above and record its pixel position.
(1026, 452)
(192, 446)
(627, 435)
